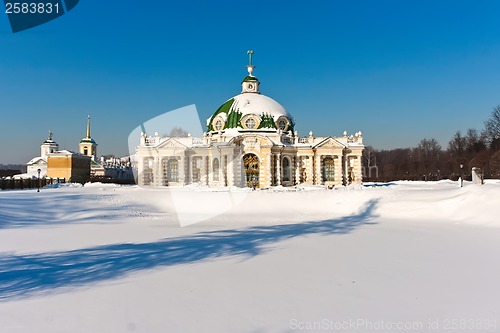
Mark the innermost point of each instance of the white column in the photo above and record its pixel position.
(297, 170)
(182, 170)
(317, 169)
(140, 172)
(221, 168)
(309, 168)
(338, 169)
(210, 166)
(346, 170)
(268, 170)
(207, 169)
(278, 169)
(224, 168)
(203, 175)
(156, 176)
(190, 161)
(239, 171)
(161, 175)
(358, 171)
(230, 172)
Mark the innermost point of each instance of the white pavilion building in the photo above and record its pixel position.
(250, 141)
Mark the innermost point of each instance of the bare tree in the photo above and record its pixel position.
(428, 154)
(369, 156)
(492, 129)
(474, 143)
(495, 164)
(457, 145)
(178, 132)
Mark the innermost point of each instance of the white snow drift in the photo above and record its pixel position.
(404, 256)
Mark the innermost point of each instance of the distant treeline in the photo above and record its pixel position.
(429, 161)
(20, 168)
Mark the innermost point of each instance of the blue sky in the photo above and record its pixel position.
(398, 70)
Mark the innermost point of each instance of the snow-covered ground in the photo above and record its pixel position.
(398, 257)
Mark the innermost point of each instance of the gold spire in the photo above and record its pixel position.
(88, 128)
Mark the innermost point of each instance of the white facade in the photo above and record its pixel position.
(49, 146)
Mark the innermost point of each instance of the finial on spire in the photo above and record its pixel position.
(250, 67)
(88, 127)
(50, 135)
(250, 53)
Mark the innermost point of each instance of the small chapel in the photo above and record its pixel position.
(250, 140)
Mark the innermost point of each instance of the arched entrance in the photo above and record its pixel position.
(251, 163)
(328, 169)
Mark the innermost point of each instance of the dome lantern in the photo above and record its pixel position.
(250, 83)
(250, 111)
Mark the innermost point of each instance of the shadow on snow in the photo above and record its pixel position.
(18, 210)
(31, 274)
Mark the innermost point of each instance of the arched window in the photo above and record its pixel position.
(215, 170)
(218, 125)
(173, 170)
(282, 124)
(328, 169)
(147, 176)
(250, 123)
(286, 169)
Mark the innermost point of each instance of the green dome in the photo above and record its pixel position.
(265, 108)
(250, 78)
(87, 141)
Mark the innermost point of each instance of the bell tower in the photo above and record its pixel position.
(88, 146)
(250, 83)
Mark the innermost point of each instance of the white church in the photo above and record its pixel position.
(250, 141)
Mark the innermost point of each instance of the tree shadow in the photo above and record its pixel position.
(34, 274)
(19, 210)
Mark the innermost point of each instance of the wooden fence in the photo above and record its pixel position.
(20, 184)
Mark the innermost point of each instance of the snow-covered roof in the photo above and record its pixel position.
(37, 160)
(235, 112)
(250, 103)
(43, 174)
(50, 142)
(64, 152)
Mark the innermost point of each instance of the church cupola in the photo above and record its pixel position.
(88, 146)
(48, 146)
(250, 83)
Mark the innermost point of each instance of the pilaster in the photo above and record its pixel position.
(182, 170)
(278, 169)
(317, 169)
(268, 165)
(297, 170)
(338, 169)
